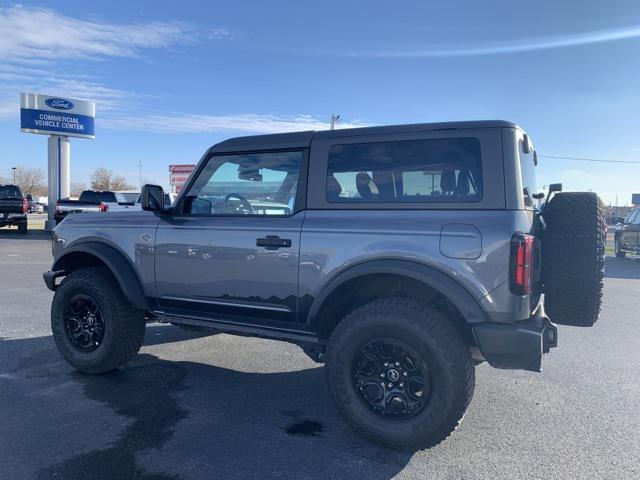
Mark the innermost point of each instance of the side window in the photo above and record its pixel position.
(528, 168)
(438, 170)
(636, 217)
(246, 184)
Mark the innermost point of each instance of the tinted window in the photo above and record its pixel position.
(246, 184)
(10, 191)
(90, 196)
(528, 168)
(439, 170)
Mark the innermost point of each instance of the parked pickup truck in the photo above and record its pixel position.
(13, 207)
(91, 201)
(400, 256)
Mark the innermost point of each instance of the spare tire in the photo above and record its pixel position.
(573, 258)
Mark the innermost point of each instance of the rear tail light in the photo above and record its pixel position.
(25, 205)
(104, 207)
(522, 263)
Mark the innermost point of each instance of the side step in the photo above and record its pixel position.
(291, 335)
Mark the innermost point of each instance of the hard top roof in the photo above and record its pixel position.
(277, 141)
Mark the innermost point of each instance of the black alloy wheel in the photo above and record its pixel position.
(391, 378)
(84, 323)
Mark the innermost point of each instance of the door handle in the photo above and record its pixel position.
(273, 242)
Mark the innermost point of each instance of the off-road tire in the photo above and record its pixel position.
(573, 251)
(22, 228)
(428, 331)
(124, 325)
(619, 252)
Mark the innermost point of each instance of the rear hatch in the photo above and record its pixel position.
(11, 200)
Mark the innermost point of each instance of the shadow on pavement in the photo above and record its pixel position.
(176, 419)
(628, 267)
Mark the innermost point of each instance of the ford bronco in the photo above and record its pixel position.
(400, 256)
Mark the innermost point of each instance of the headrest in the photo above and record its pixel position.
(363, 184)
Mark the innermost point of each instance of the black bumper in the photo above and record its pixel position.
(17, 220)
(50, 278)
(518, 345)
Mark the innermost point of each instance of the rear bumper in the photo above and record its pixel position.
(12, 219)
(518, 345)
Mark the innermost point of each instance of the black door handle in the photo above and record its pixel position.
(273, 242)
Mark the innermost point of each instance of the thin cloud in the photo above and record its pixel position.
(490, 48)
(178, 123)
(37, 35)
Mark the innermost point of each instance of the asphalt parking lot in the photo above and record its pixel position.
(196, 405)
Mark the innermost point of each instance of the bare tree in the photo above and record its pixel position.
(31, 180)
(77, 188)
(104, 179)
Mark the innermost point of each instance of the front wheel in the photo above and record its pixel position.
(400, 373)
(619, 252)
(94, 326)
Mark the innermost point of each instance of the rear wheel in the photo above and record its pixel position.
(94, 326)
(400, 373)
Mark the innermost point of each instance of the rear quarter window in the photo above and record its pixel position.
(406, 171)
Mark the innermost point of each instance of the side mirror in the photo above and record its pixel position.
(555, 187)
(152, 198)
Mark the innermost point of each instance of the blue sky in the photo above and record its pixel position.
(172, 78)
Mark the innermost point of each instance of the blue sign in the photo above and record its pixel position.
(51, 115)
(59, 103)
(56, 122)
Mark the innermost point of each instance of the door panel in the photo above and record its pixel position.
(231, 249)
(212, 265)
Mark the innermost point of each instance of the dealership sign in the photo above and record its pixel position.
(178, 175)
(50, 115)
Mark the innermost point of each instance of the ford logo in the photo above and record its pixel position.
(59, 103)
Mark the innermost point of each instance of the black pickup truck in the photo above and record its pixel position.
(13, 208)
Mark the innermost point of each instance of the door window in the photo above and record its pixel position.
(246, 184)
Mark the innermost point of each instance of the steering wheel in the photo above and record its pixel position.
(244, 203)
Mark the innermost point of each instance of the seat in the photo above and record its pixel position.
(463, 187)
(333, 189)
(365, 186)
(448, 182)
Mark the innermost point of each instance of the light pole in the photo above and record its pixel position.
(334, 119)
(14, 174)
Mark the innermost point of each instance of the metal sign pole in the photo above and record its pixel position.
(58, 175)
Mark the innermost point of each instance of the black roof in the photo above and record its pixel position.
(303, 139)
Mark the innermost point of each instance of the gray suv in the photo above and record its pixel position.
(400, 256)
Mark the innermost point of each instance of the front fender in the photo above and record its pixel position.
(115, 261)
